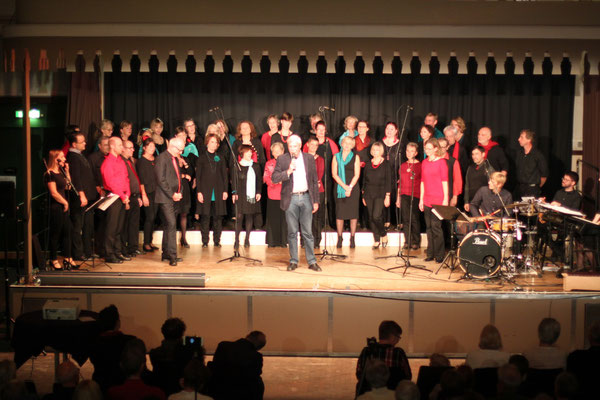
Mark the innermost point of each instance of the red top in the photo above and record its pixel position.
(487, 147)
(134, 389)
(115, 177)
(405, 178)
(457, 182)
(332, 145)
(273, 189)
(265, 139)
(433, 173)
(320, 171)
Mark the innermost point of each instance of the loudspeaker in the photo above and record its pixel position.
(8, 200)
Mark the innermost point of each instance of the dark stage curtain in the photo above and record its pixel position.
(84, 104)
(506, 103)
(591, 143)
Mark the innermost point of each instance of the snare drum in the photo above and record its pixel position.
(503, 224)
(480, 254)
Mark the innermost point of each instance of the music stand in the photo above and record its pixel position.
(452, 214)
(102, 203)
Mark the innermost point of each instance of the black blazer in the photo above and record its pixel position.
(82, 175)
(166, 178)
(287, 184)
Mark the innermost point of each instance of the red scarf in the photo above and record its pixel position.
(360, 145)
(456, 150)
(488, 147)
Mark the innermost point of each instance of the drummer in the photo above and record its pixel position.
(487, 201)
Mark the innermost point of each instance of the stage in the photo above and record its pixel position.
(328, 313)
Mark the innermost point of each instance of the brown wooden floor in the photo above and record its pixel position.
(359, 271)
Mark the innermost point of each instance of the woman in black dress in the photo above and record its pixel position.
(246, 134)
(211, 178)
(59, 222)
(345, 170)
(392, 152)
(182, 207)
(145, 170)
(247, 189)
(376, 192)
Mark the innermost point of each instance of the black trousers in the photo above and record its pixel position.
(217, 225)
(115, 217)
(414, 220)
(276, 224)
(375, 211)
(435, 235)
(526, 190)
(83, 230)
(149, 219)
(169, 240)
(318, 220)
(60, 230)
(130, 235)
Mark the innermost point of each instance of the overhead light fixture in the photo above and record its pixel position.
(34, 113)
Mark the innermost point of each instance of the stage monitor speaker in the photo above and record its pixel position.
(8, 200)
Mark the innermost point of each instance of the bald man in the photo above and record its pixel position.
(168, 191)
(493, 152)
(116, 181)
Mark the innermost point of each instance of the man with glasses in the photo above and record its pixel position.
(385, 350)
(568, 196)
(168, 191)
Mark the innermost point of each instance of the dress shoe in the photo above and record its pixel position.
(124, 257)
(173, 262)
(148, 249)
(427, 259)
(113, 260)
(415, 247)
(339, 242)
(375, 246)
(292, 266)
(184, 244)
(247, 241)
(352, 243)
(154, 247)
(439, 260)
(314, 267)
(384, 241)
(405, 247)
(204, 245)
(138, 252)
(217, 245)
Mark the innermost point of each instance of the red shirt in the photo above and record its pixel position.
(115, 177)
(273, 189)
(433, 173)
(405, 179)
(266, 143)
(457, 182)
(134, 389)
(320, 172)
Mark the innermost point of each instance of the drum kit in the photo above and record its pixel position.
(506, 246)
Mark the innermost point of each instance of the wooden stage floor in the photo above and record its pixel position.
(360, 271)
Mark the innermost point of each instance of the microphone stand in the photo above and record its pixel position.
(405, 258)
(236, 170)
(325, 252)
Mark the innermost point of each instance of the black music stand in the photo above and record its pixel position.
(91, 208)
(452, 214)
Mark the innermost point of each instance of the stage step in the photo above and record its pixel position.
(257, 238)
(581, 281)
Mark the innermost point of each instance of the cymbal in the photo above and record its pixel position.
(515, 205)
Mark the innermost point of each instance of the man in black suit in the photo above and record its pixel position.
(131, 227)
(96, 159)
(168, 191)
(297, 173)
(82, 177)
(237, 367)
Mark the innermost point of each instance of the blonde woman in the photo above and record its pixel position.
(345, 170)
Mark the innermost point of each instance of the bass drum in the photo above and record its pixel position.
(480, 254)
